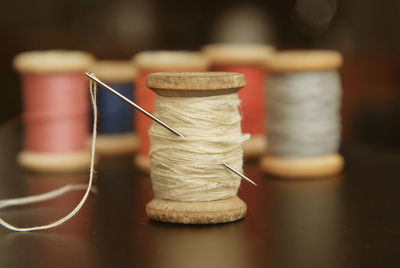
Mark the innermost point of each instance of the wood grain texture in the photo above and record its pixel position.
(195, 84)
(219, 211)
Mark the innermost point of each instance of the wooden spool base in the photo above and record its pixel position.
(51, 162)
(255, 146)
(142, 162)
(303, 168)
(116, 144)
(219, 211)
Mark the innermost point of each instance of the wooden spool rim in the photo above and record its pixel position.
(114, 71)
(55, 163)
(116, 144)
(195, 80)
(302, 168)
(53, 61)
(170, 60)
(238, 54)
(304, 60)
(207, 212)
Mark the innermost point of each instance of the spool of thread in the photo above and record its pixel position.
(157, 61)
(115, 125)
(189, 182)
(248, 59)
(56, 110)
(303, 107)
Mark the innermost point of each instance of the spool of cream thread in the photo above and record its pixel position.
(157, 61)
(196, 85)
(248, 59)
(303, 61)
(119, 138)
(56, 110)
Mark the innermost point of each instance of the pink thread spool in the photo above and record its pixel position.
(150, 62)
(56, 107)
(248, 59)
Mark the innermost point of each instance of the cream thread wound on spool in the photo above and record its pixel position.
(303, 100)
(211, 126)
(190, 183)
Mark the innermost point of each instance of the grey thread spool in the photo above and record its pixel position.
(303, 103)
(303, 118)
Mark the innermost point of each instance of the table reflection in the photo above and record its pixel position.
(51, 248)
(308, 217)
(221, 245)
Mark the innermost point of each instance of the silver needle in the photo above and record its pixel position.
(238, 173)
(94, 78)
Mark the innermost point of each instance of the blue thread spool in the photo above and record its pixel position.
(116, 121)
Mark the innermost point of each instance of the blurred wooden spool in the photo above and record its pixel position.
(56, 108)
(248, 59)
(310, 167)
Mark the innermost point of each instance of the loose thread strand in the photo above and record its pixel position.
(45, 196)
(62, 190)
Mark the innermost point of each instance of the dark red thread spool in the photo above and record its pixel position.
(56, 106)
(157, 61)
(248, 59)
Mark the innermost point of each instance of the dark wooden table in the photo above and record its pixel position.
(351, 220)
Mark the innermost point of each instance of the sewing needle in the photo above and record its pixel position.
(94, 78)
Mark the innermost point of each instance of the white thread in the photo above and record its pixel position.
(190, 168)
(45, 196)
(62, 190)
(303, 113)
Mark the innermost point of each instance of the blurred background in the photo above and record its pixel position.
(365, 31)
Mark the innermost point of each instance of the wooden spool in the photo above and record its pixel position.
(150, 62)
(196, 85)
(43, 67)
(248, 59)
(119, 72)
(311, 167)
